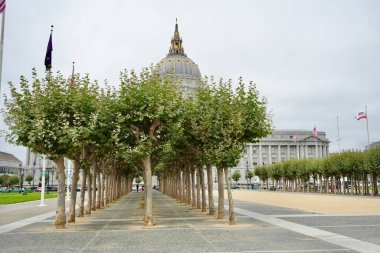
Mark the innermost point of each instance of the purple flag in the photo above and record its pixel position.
(48, 53)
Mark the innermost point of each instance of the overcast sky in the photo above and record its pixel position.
(313, 60)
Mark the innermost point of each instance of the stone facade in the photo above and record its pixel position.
(283, 145)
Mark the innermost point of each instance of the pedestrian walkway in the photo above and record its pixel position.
(179, 228)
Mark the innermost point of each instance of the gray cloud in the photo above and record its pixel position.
(313, 60)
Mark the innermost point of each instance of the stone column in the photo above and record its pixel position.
(298, 151)
(306, 151)
(260, 156)
(288, 153)
(279, 154)
(316, 150)
(270, 154)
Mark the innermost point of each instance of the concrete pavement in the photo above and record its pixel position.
(180, 228)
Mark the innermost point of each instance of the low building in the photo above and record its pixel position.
(372, 145)
(9, 164)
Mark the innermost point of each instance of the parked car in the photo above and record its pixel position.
(5, 189)
(38, 189)
(16, 189)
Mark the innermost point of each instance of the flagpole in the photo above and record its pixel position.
(72, 75)
(366, 119)
(43, 180)
(339, 139)
(1, 48)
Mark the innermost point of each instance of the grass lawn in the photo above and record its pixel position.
(15, 197)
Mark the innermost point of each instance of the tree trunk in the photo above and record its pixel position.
(332, 184)
(180, 187)
(103, 190)
(375, 184)
(374, 191)
(198, 176)
(148, 219)
(74, 185)
(89, 192)
(211, 208)
(99, 190)
(60, 218)
(221, 213)
(202, 185)
(193, 193)
(82, 193)
(188, 187)
(94, 175)
(230, 200)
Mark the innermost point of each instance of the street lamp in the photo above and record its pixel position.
(34, 171)
(21, 175)
(246, 173)
(230, 177)
(52, 175)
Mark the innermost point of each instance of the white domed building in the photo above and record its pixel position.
(177, 62)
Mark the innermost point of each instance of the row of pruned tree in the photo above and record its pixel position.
(143, 126)
(351, 172)
(9, 180)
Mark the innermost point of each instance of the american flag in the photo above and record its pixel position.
(314, 133)
(2, 6)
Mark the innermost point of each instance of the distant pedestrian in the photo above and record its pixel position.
(137, 188)
(154, 187)
(142, 188)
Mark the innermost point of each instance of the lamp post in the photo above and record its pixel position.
(230, 177)
(47, 183)
(21, 176)
(33, 171)
(246, 173)
(43, 180)
(253, 170)
(52, 175)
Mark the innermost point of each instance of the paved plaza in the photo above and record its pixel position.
(180, 228)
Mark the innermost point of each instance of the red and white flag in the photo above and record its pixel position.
(2, 6)
(314, 133)
(295, 138)
(361, 115)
